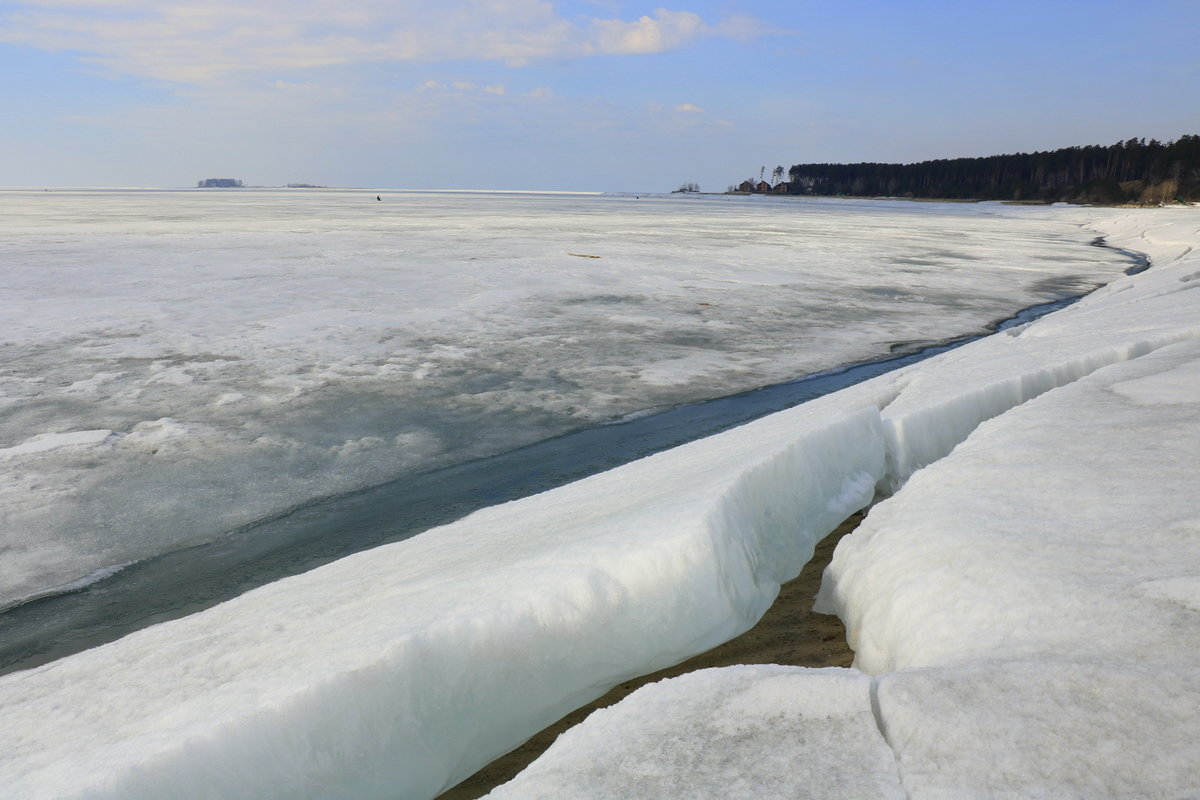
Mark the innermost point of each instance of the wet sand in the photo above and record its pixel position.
(789, 633)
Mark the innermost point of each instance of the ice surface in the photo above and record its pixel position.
(940, 405)
(53, 441)
(1056, 556)
(398, 671)
(1062, 728)
(252, 350)
(395, 672)
(1030, 603)
(749, 731)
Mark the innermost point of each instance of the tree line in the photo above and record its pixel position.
(1133, 171)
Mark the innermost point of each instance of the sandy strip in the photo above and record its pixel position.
(789, 633)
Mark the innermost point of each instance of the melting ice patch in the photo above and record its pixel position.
(45, 442)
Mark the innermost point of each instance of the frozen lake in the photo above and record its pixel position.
(177, 364)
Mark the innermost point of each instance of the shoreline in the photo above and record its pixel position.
(790, 633)
(968, 200)
(1008, 695)
(178, 583)
(631, 570)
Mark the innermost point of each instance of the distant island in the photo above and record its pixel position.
(1133, 171)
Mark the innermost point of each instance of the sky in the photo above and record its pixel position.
(575, 95)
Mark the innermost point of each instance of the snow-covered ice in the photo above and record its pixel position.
(1028, 603)
(1031, 599)
(396, 672)
(250, 351)
(1040, 556)
(762, 731)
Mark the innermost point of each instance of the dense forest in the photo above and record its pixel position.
(1133, 171)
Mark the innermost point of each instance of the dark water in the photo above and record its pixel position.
(185, 581)
(1141, 261)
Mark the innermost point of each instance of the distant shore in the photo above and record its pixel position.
(940, 199)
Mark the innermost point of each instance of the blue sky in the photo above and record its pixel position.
(582, 95)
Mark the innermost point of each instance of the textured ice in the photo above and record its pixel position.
(1011, 545)
(253, 350)
(1029, 604)
(749, 731)
(53, 441)
(396, 672)
(1057, 728)
(1032, 601)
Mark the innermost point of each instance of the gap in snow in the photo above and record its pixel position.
(188, 580)
(762, 644)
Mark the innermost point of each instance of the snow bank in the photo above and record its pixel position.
(1078, 500)
(940, 402)
(1039, 586)
(398, 671)
(1029, 605)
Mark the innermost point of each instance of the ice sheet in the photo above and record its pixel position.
(1029, 603)
(397, 671)
(1043, 527)
(761, 731)
(1063, 728)
(252, 350)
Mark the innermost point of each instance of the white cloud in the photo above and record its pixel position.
(667, 31)
(689, 107)
(206, 43)
(462, 88)
(307, 87)
(747, 29)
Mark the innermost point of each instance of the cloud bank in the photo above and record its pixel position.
(204, 43)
